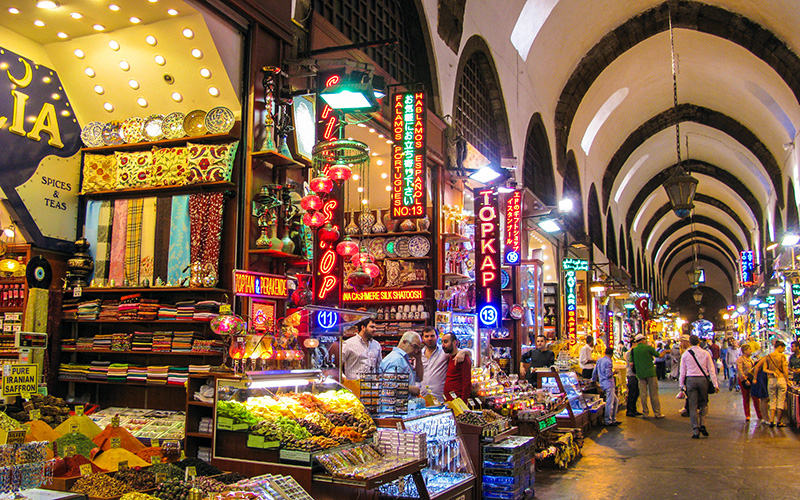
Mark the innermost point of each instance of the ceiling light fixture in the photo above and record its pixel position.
(160, 60)
(135, 20)
(113, 44)
(150, 40)
(47, 4)
(76, 15)
(113, 7)
(38, 23)
(790, 239)
(99, 27)
(197, 53)
(142, 102)
(108, 107)
(79, 54)
(213, 91)
(99, 89)
(172, 12)
(124, 66)
(13, 10)
(133, 84)
(205, 72)
(188, 33)
(89, 72)
(62, 35)
(177, 97)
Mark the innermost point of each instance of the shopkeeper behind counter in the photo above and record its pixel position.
(400, 361)
(540, 357)
(361, 353)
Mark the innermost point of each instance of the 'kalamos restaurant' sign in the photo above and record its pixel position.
(40, 144)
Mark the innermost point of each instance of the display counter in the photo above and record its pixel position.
(580, 411)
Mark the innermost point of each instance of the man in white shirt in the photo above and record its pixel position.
(585, 360)
(697, 368)
(361, 353)
(434, 363)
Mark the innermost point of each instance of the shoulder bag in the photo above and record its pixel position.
(711, 388)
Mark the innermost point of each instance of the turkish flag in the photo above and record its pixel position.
(641, 306)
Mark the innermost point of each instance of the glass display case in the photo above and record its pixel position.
(450, 471)
(578, 411)
(465, 327)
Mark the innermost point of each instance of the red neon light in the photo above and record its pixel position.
(332, 80)
(328, 208)
(408, 156)
(328, 284)
(383, 295)
(327, 261)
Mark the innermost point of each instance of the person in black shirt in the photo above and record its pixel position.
(540, 357)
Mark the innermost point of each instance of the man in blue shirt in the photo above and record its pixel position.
(405, 358)
(603, 374)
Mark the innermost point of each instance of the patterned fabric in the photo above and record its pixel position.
(101, 262)
(170, 166)
(36, 310)
(99, 173)
(210, 162)
(148, 240)
(205, 214)
(161, 252)
(179, 256)
(133, 241)
(116, 269)
(90, 228)
(134, 169)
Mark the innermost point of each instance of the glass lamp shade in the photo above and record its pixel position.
(311, 202)
(680, 188)
(228, 324)
(695, 276)
(363, 258)
(697, 296)
(359, 279)
(340, 172)
(321, 184)
(328, 234)
(9, 265)
(314, 220)
(347, 248)
(372, 269)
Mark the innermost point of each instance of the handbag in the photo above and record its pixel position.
(711, 388)
(759, 387)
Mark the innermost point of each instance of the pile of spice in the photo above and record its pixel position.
(126, 439)
(148, 453)
(169, 470)
(202, 468)
(38, 430)
(73, 466)
(207, 485)
(100, 485)
(138, 496)
(7, 423)
(137, 477)
(83, 445)
(229, 478)
(110, 459)
(86, 426)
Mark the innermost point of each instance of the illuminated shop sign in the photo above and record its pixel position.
(487, 257)
(408, 156)
(263, 315)
(512, 251)
(571, 268)
(772, 319)
(746, 278)
(384, 295)
(40, 141)
(328, 266)
(796, 306)
(260, 285)
(327, 319)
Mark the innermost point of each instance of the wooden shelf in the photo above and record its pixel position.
(10, 309)
(123, 290)
(155, 190)
(204, 435)
(390, 235)
(233, 135)
(453, 237)
(200, 403)
(9, 354)
(455, 277)
(11, 281)
(159, 321)
(278, 160)
(148, 353)
(106, 382)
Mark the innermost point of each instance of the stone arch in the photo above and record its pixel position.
(623, 252)
(595, 219)
(537, 164)
(791, 209)
(631, 262)
(611, 240)
(571, 188)
(702, 221)
(681, 244)
(728, 272)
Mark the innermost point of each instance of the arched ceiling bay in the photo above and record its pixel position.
(678, 230)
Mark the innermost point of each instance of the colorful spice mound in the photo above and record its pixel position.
(202, 468)
(100, 485)
(169, 470)
(38, 430)
(148, 453)
(73, 466)
(138, 478)
(126, 439)
(110, 459)
(86, 426)
(83, 445)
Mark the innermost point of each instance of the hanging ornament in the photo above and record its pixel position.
(363, 258)
(359, 279)
(321, 184)
(340, 172)
(302, 295)
(311, 202)
(372, 269)
(328, 234)
(228, 323)
(347, 248)
(315, 220)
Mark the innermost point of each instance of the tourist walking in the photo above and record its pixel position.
(731, 355)
(744, 368)
(675, 355)
(643, 356)
(603, 374)
(777, 370)
(697, 369)
(633, 386)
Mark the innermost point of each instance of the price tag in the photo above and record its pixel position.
(115, 421)
(183, 455)
(77, 291)
(70, 450)
(122, 465)
(86, 469)
(191, 472)
(35, 414)
(79, 410)
(224, 423)
(16, 437)
(255, 441)
(74, 428)
(224, 308)
(25, 395)
(161, 477)
(154, 443)
(155, 459)
(115, 442)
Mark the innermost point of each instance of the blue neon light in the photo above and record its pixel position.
(327, 319)
(488, 315)
(512, 257)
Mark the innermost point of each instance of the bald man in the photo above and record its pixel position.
(405, 358)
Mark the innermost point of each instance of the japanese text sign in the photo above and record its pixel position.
(408, 156)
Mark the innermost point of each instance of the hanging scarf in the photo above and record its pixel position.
(161, 252)
(119, 235)
(133, 244)
(148, 240)
(102, 261)
(205, 212)
(179, 256)
(90, 228)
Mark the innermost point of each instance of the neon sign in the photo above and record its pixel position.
(796, 306)
(571, 268)
(252, 284)
(408, 156)
(513, 242)
(327, 319)
(384, 295)
(487, 256)
(746, 276)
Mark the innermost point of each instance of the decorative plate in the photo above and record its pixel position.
(388, 247)
(376, 248)
(419, 246)
(132, 130)
(516, 311)
(153, 128)
(505, 279)
(92, 135)
(173, 125)
(194, 123)
(219, 120)
(112, 134)
(401, 247)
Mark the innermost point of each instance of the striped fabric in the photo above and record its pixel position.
(161, 253)
(102, 260)
(148, 240)
(90, 227)
(133, 241)
(116, 270)
(178, 259)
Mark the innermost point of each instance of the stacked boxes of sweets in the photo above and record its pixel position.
(508, 468)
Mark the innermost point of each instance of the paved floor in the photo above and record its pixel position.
(656, 459)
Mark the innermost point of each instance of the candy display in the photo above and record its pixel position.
(237, 412)
(100, 485)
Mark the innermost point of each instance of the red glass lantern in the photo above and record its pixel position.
(315, 220)
(311, 202)
(321, 184)
(328, 234)
(372, 269)
(340, 172)
(359, 279)
(347, 248)
(363, 258)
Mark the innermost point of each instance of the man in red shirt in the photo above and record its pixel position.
(459, 375)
